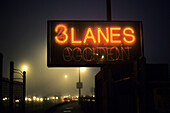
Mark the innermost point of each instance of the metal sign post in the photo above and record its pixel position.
(79, 85)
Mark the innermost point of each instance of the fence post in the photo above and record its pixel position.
(1, 65)
(24, 89)
(11, 86)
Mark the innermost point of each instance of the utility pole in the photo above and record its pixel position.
(109, 17)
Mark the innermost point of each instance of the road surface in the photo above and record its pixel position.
(72, 107)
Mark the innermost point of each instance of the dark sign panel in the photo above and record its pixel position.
(93, 43)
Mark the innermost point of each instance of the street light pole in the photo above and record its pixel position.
(80, 84)
(109, 17)
(23, 74)
(24, 89)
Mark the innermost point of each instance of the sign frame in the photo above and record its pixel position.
(49, 64)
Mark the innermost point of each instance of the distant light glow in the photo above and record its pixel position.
(102, 56)
(29, 99)
(93, 100)
(41, 99)
(65, 76)
(38, 99)
(34, 97)
(65, 96)
(53, 97)
(4, 98)
(17, 101)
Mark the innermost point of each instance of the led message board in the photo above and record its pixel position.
(84, 43)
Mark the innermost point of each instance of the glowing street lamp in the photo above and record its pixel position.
(23, 75)
(24, 68)
(66, 76)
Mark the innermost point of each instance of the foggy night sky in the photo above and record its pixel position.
(23, 37)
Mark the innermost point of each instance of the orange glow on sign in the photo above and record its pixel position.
(133, 38)
(117, 35)
(112, 35)
(96, 54)
(100, 32)
(62, 36)
(89, 35)
(93, 43)
(73, 38)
